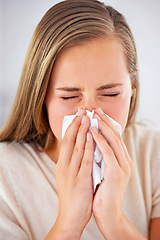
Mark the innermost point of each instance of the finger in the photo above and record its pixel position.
(79, 147)
(68, 141)
(109, 123)
(125, 162)
(106, 119)
(115, 142)
(106, 150)
(87, 161)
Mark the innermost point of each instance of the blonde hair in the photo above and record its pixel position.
(66, 24)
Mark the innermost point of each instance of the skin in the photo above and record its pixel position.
(77, 69)
(90, 76)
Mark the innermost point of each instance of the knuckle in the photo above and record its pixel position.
(77, 150)
(65, 139)
(108, 151)
(86, 161)
(118, 135)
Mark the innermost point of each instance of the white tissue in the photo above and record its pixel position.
(98, 161)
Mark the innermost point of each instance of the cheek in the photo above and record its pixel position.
(55, 116)
(56, 112)
(119, 110)
(123, 111)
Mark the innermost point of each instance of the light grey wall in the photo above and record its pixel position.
(19, 18)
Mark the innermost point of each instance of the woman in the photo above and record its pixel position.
(82, 56)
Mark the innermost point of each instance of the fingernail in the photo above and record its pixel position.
(88, 137)
(94, 129)
(96, 116)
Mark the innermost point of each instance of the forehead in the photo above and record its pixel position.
(96, 59)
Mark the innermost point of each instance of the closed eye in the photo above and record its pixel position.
(67, 98)
(109, 95)
(103, 95)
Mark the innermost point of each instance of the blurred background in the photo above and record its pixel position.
(19, 18)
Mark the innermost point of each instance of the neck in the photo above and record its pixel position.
(53, 151)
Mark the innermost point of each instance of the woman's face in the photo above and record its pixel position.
(91, 75)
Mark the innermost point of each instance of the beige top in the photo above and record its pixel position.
(28, 194)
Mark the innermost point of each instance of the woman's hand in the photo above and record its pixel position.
(108, 200)
(74, 177)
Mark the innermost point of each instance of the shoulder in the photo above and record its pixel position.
(143, 140)
(15, 150)
(10, 148)
(23, 158)
(17, 156)
(141, 133)
(20, 163)
(142, 130)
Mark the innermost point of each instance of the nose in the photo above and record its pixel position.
(89, 103)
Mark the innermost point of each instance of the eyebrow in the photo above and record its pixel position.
(69, 89)
(107, 86)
